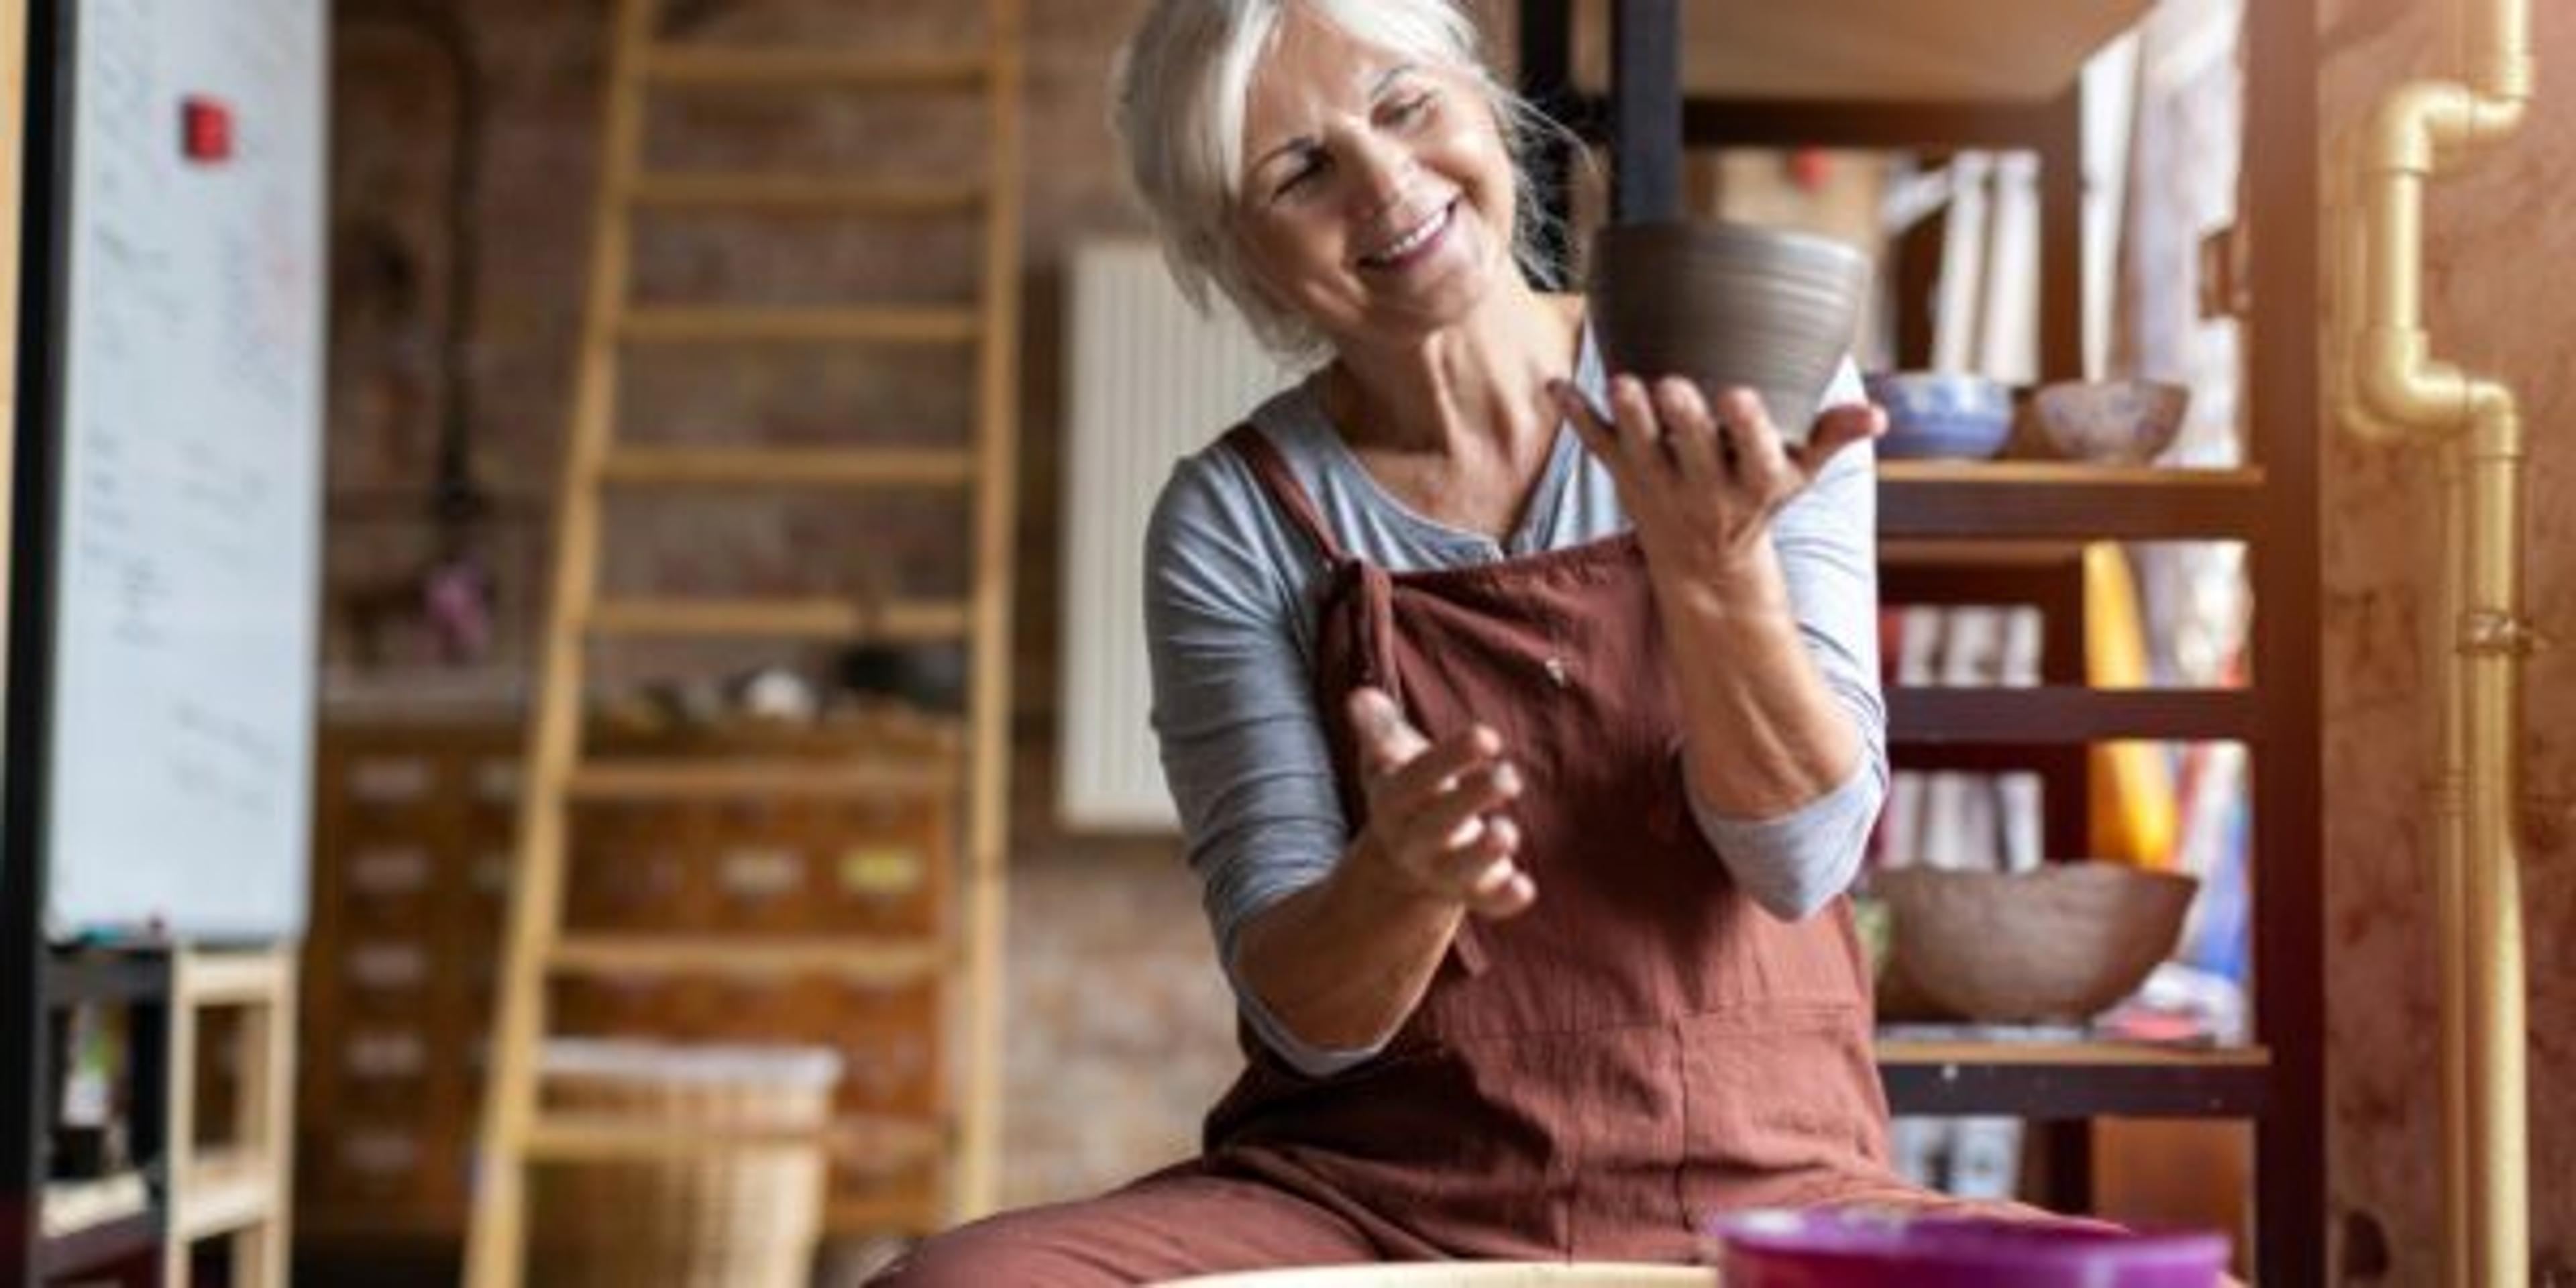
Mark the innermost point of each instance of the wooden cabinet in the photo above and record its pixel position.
(414, 833)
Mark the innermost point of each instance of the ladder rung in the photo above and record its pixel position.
(902, 1213)
(876, 1143)
(789, 467)
(727, 324)
(880, 963)
(782, 619)
(739, 778)
(798, 194)
(800, 68)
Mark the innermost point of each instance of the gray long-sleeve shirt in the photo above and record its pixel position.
(1230, 618)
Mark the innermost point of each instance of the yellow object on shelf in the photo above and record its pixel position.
(2132, 787)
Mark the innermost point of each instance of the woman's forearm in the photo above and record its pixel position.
(1344, 961)
(1762, 733)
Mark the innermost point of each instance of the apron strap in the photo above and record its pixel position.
(1366, 595)
(1281, 483)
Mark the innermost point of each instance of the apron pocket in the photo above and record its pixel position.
(1780, 1104)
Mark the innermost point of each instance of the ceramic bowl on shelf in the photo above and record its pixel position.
(2060, 943)
(1860, 1248)
(1941, 415)
(1728, 304)
(2109, 422)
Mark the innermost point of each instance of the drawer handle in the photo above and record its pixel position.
(882, 870)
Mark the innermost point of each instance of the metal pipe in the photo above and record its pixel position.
(2348, 236)
(2495, 639)
(2449, 792)
(2399, 391)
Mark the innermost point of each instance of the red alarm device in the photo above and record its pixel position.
(206, 129)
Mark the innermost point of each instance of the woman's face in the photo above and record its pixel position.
(1377, 193)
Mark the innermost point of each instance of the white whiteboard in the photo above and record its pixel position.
(187, 557)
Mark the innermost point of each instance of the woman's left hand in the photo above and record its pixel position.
(1701, 486)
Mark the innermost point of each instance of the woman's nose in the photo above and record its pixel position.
(1384, 169)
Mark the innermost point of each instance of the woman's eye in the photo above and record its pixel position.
(1405, 111)
(1297, 180)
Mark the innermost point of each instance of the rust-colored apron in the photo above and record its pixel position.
(1643, 1047)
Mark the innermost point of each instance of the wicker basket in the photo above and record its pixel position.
(747, 1218)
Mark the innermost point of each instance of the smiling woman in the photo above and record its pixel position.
(1192, 78)
(1523, 719)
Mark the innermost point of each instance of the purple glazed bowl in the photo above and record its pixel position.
(1867, 1249)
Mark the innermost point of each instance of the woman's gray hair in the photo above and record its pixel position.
(1178, 96)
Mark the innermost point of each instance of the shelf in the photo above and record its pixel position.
(88, 1224)
(95, 1246)
(2048, 715)
(1925, 51)
(2073, 1079)
(2053, 500)
(225, 1192)
(112, 977)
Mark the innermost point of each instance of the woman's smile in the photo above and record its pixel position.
(1414, 244)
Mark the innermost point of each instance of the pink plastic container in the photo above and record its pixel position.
(1867, 1249)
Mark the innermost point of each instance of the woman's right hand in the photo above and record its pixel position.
(1436, 827)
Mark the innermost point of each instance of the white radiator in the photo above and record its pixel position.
(1152, 381)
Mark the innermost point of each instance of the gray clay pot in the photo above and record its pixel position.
(1728, 304)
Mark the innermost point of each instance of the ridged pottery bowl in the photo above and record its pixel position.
(2061, 943)
(1941, 415)
(1728, 304)
(1825, 1249)
(2122, 422)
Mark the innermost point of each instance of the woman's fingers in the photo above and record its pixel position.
(1836, 429)
(1400, 763)
(1434, 769)
(1690, 432)
(1489, 875)
(1639, 437)
(1452, 819)
(1762, 464)
(1600, 437)
(1387, 741)
(1510, 896)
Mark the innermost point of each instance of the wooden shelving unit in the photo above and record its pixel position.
(2041, 500)
(143, 1225)
(2075, 1080)
(1852, 74)
(238, 1188)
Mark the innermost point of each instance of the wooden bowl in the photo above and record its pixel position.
(2057, 944)
(1728, 304)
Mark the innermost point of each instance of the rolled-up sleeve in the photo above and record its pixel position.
(1826, 537)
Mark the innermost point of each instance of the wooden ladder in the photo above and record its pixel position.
(559, 773)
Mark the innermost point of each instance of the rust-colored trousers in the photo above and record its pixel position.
(1589, 1080)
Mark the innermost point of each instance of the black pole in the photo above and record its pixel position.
(1547, 82)
(35, 502)
(1646, 110)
